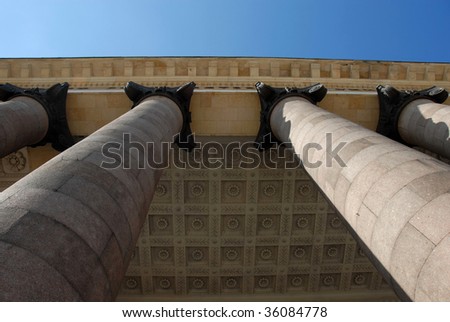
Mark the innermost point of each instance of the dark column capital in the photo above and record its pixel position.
(53, 100)
(270, 96)
(180, 95)
(392, 102)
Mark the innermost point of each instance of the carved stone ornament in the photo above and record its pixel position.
(269, 98)
(16, 162)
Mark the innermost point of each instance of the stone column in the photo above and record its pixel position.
(30, 117)
(395, 199)
(23, 122)
(416, 118)
(68, 230)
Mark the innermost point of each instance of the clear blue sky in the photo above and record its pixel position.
(341, 29)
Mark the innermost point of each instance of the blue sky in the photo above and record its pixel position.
(335, 29)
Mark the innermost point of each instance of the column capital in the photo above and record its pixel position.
(270, 96)
(180, 95)
(392, 102)
(53, 100)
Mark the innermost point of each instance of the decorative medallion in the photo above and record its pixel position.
(233, 190)
(266, 253)
(359, 279)
(197, 224)
(131, 283)
(269, 190)
(267, 223)
(163, 254)
(160, 190)
(233, 223)
(304, 189)
(302, 222)
(299, 252)
(263, 282)
(332, 252)
(198, 283)
(197, 255)
(162, 223)
(296, 281)
(164, 283)
(361, 253)
(15, 162)
(336, 222)
(231, 254)
(231, 282)
(197, 190)
(328, 280)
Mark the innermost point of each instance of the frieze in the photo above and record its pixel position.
(335, 239)
(304, 208)
(232, 271)
(233, 209)
(280, 283)
(283, 257)
(331, 268)
(252, 188)
(133, 270)
(215, 226)
(197, 271)
(314, 282)
(234, 72)
(192, 241)
(317, 252)
(267, 240)
(167, 271)
(196, 209)
(285, 227)
(298, 269)
(180, 258)
(160, 209)
(196, 174)
(349, 253)
(269, 209)
(234, 174)
(233, 241)
(363, 267)
(265, 270)
(154, 241)
(306, 240)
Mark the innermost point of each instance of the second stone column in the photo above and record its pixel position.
(394, 198)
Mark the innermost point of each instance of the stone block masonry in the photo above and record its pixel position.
(395, 199)
(68, 230)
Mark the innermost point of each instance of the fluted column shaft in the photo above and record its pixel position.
(68, 230)
(23, 121)
(425, 123)
(395, 199)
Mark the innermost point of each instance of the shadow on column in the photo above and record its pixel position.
(270, 96)
(53, 100)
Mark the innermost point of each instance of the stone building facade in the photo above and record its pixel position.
(267, 232)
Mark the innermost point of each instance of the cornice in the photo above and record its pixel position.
(222, 73)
